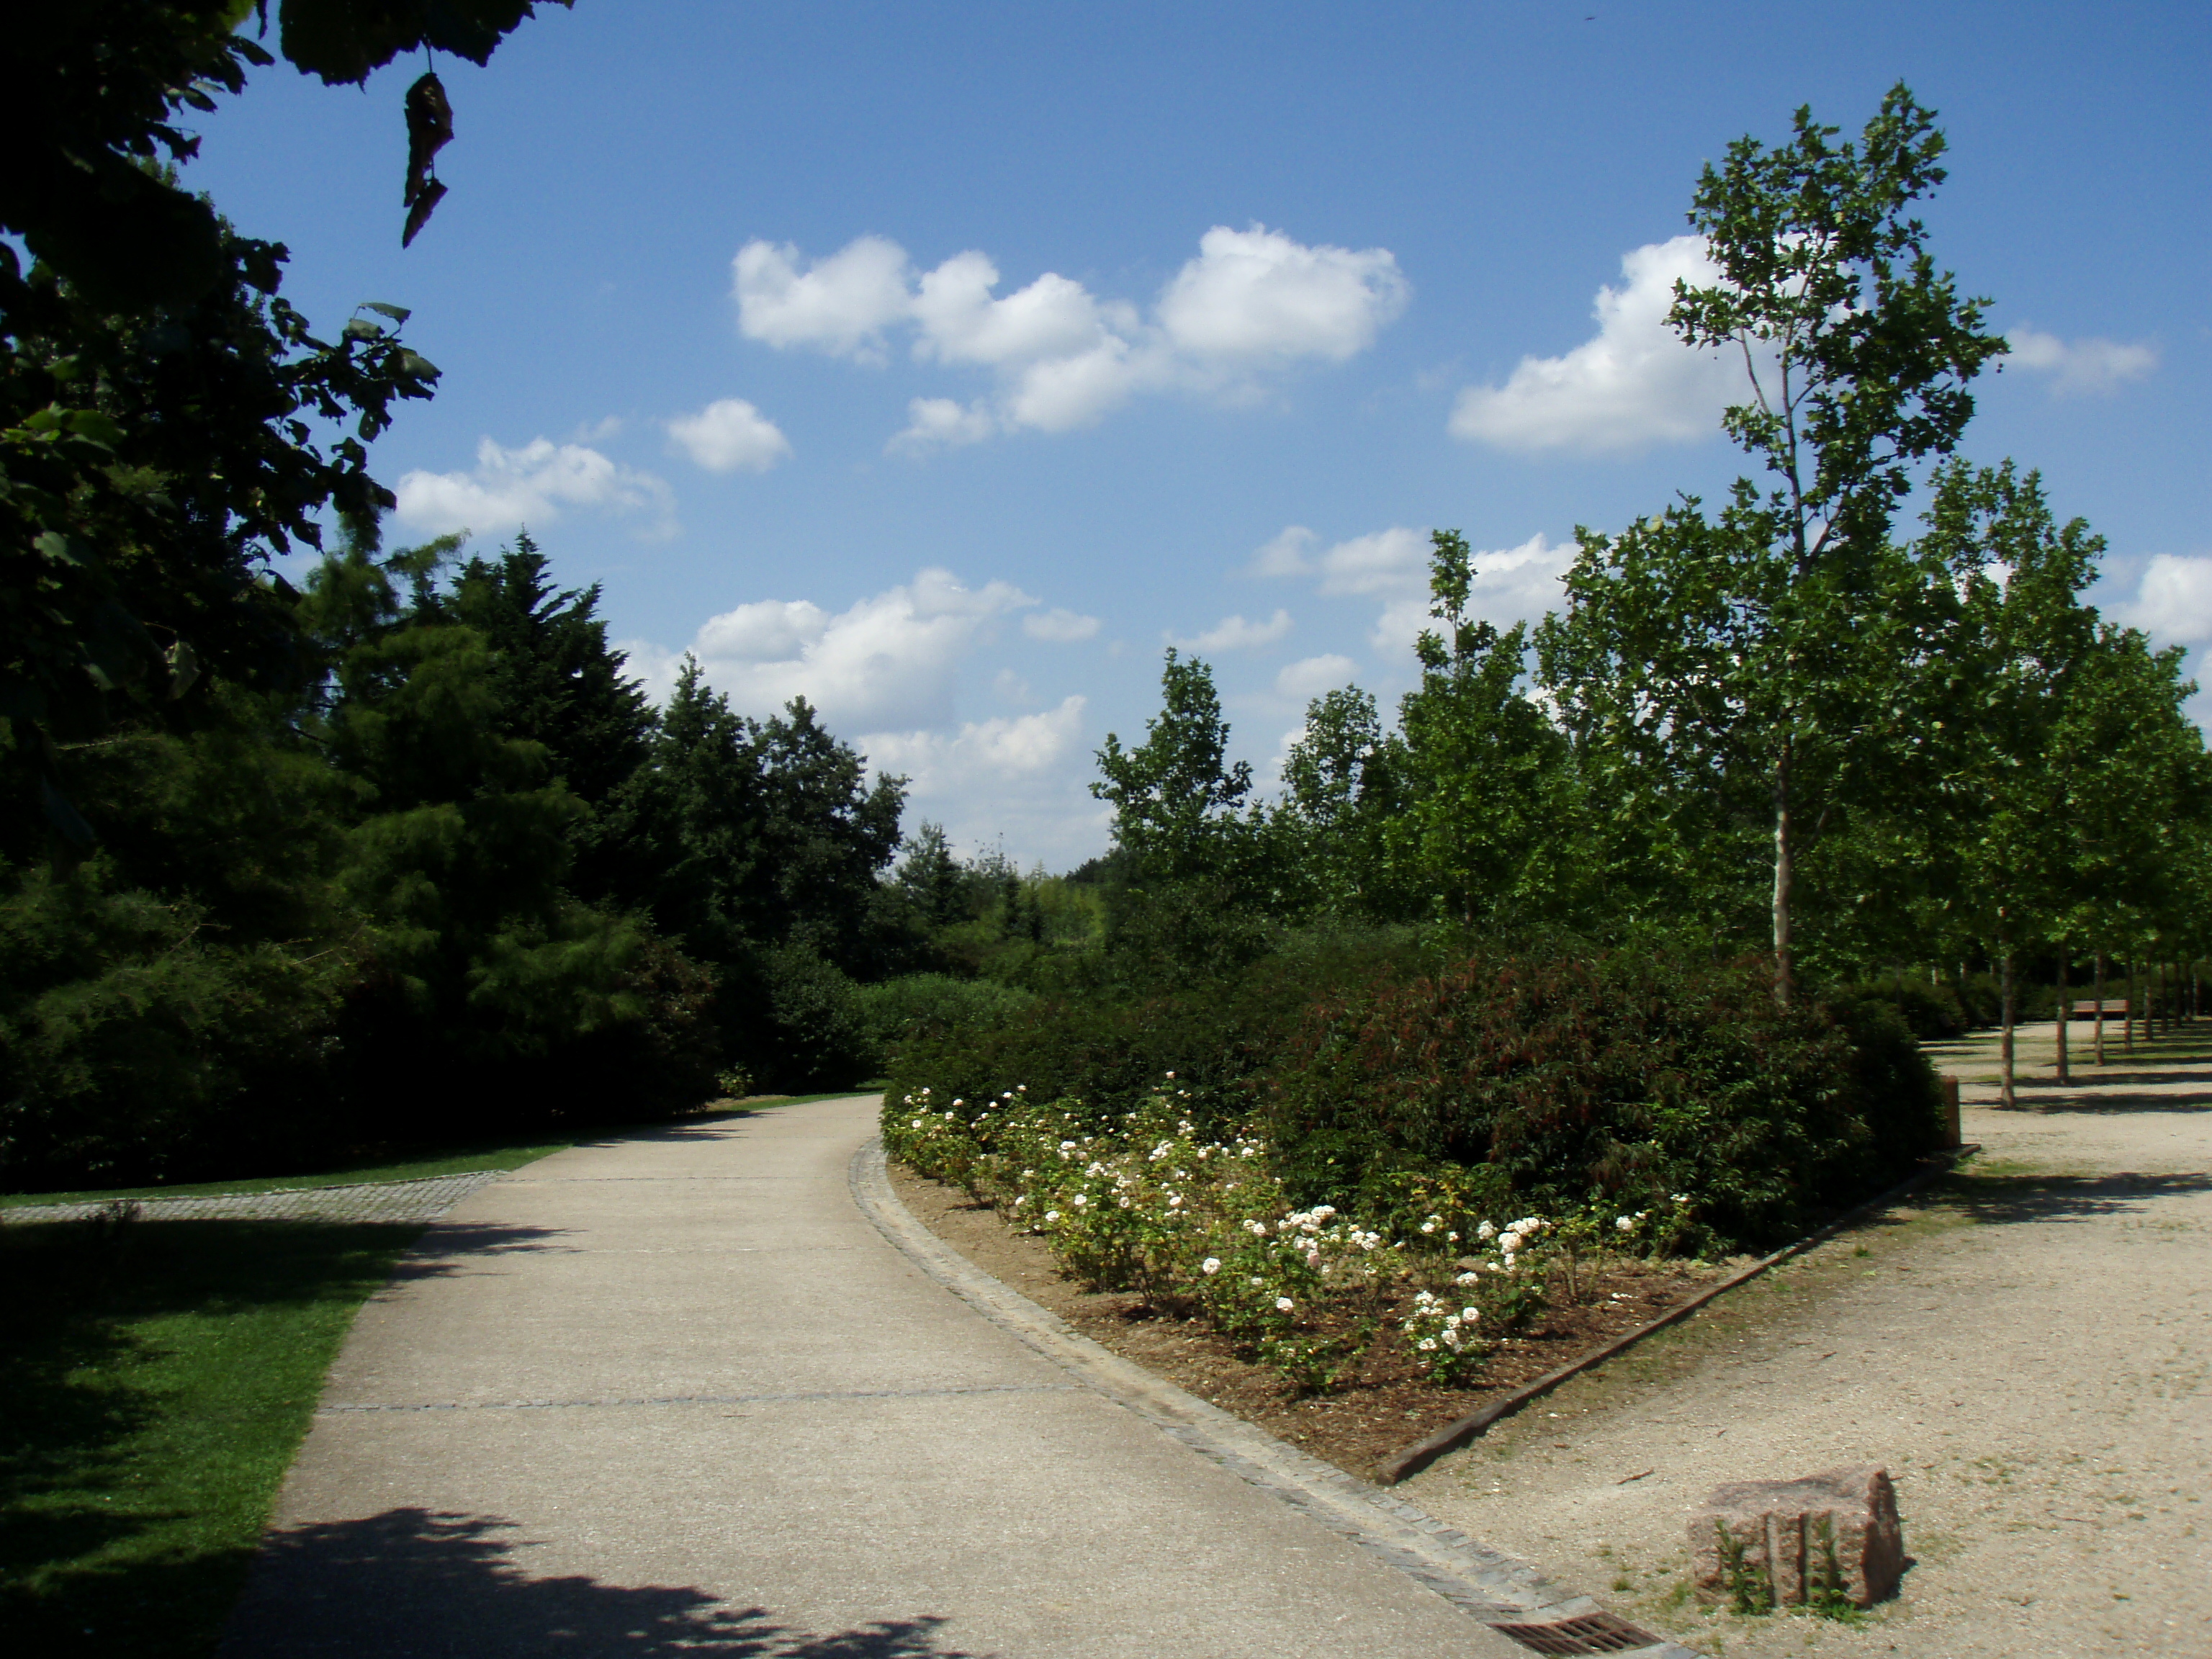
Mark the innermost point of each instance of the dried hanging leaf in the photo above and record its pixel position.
(429, 129)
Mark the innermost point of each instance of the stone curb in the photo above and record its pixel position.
(422, 1200)
(1453, 1436)
(1488, 1584)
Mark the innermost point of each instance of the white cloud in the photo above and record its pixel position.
(1235, 634)
(730, 436)
(1285, 554)
(1251, 302)
(841, 304)
(1512, 584)
(2092, 365)
(940, 422)
(1304, 680)
(943, 764)
(891, 660)
(2173, 601)
(1059, 626)
(529, 484)
(1257, 295)
(1631, 384)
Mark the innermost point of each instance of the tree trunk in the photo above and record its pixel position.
(1784, 876)
(2004, 1042)
(2065, 1015)
(2100, 1007)
(2128, 1012)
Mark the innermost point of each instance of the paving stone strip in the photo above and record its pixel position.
(394, 1202)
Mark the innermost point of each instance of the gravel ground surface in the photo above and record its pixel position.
(374, 1200)
(2027, 1350)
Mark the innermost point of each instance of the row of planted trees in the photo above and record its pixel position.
(1801, 721)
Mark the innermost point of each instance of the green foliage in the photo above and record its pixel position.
(1483, 772)
(896, 1011)
(1616, 1080)
(1109, 1052)
(135, 1045)
(809, 1030)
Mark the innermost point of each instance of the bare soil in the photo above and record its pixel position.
(1374, 1413)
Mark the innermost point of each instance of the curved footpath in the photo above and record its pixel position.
(711, 1390)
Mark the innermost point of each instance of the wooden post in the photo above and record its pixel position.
(1953, 1135)
(2128, 1012)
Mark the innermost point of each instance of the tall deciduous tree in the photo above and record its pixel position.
(1739, 650)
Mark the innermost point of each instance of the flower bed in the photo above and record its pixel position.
(1200, 1229)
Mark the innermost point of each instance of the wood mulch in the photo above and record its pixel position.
(1378, 1411)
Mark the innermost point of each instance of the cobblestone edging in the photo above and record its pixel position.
(1490, 1585)
(399, 1202)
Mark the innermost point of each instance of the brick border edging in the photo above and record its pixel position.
(1453, 1436)
(1486, 1583)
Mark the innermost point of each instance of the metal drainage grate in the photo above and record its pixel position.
(1595, 1632)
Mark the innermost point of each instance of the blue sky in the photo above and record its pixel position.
(943, 363)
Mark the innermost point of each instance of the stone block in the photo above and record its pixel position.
(1761, 1544)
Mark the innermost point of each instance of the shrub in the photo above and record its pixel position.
(1108, 1053)
(1932, 1012)
(802, 1024)
(1581, 1081)
(895, 1011)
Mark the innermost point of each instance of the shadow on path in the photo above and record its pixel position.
(442, 1586)
(445, 1248)
(2002, 1200)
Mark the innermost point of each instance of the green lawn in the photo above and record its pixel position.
(156, 1379)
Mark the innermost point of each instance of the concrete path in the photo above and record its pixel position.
(676, 1393)
(2032, 1359)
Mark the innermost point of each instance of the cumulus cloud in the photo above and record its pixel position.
(938, 764)
(730, 436)
(841, 304)
(891, 660)
(1059, 627)
(1235, 634)
(1251, 302)
(2173, 600)
(2092, 366)
(1512, 584)
(1285, 554)
(1306, 679)
(941, 423)
(1256, 296)
(529, 484)
(1631, 384)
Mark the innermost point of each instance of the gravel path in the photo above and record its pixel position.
(395, 1201)
(2027, 1353)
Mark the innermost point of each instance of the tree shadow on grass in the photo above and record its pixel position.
(444, 1586)
(2010, 1200)
(135, 1410)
